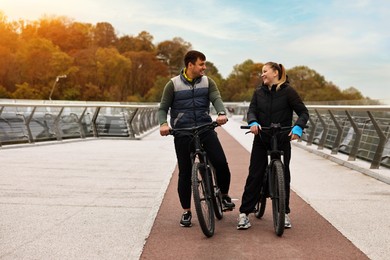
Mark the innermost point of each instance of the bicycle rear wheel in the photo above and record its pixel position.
(262, 202)
(202, 199)
(260, 207)
(278, 196)
(216, 194)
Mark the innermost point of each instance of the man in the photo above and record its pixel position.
(188, 97)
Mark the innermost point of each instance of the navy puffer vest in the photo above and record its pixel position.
(191, 104)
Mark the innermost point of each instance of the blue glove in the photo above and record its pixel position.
(297, 130)
(254, 123)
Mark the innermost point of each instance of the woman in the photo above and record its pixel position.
(273, 102)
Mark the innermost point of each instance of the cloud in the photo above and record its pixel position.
(346, 41)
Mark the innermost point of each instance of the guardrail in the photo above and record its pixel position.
(30, 122)
(358, 131)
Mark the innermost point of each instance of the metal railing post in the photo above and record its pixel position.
(358, 137)
(337, 141)
(381, 144)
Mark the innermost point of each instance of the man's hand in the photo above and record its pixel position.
(164, 129)
(222, 119)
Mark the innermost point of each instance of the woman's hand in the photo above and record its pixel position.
(255, 128)
(296, 132)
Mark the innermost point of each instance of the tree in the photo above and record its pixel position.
(100, 66)
(85, 64)
(352, 93)
(78, 37)
(155, 93)
(312, 86)
(54, 29)
(7, 60)
(240, 84)
(4, 93)
(39, 63)
(9, 37)
(9, 43)
(91, 92)
(143, 73)
(172, 53)
(213, 73)
(112, 69)
(25, 91)
(104, 35)
(143, 42)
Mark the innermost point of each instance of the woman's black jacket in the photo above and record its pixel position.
(271, 106)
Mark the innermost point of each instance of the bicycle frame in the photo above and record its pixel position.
(206, 193)
(273, 183)
(274, 153)
(198, 152)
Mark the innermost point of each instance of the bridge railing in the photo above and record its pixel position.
(358, 131)
(30, 122)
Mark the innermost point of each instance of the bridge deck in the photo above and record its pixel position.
(101, 199)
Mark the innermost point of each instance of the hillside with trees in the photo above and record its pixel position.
(101, 66)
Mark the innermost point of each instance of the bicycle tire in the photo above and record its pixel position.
(216, 194)
(261, 204)
(279, 196)
(202, 199)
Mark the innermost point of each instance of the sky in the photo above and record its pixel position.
(346, 41)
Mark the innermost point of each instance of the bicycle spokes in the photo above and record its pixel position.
(202, 198)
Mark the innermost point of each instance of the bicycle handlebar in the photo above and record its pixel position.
(211, 125)
(274, 126)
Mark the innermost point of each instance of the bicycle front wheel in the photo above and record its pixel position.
(278, 196)
(202, 199)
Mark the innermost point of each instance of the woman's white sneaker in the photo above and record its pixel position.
(287, 221)
(243, 221)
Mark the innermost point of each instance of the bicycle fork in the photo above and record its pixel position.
(272, 156)
(205, 171)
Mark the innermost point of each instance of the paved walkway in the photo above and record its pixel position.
(82, 200)
(99, 199)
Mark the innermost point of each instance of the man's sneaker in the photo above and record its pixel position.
(243, 221)
(227, 203)
(287, 221)
(186, 219)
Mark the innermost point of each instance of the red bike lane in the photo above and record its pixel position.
(311, 237)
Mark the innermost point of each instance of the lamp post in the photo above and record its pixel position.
(55, 83)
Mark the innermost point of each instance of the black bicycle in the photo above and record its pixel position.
(273, 183)
(206, 193)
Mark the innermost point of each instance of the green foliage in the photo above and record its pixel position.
(312, 86)
(25, 91)
(242, 81)
(172, 53)
(91, 92)
(4, 93)
(72, 93)
(155, 93)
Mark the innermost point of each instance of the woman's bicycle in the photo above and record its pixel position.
(206, 193)
(273, 183)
